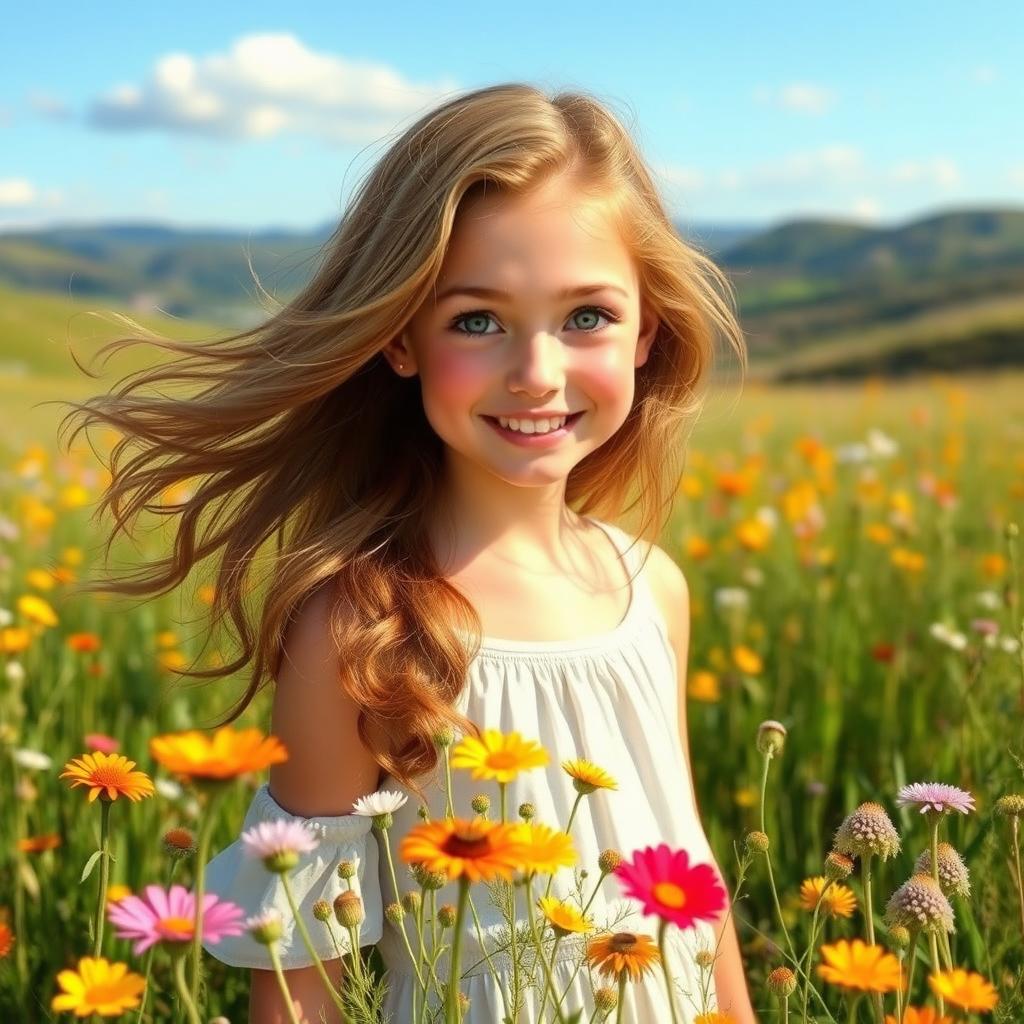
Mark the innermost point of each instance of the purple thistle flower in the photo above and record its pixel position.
(935, 796)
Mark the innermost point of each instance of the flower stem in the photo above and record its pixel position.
(202, 852)
(1020, 878)
(768, 860)
(622, 996)
(304, 932)
(936, 966)
(665, 971)
(810, 951)
(281, 983)
(452, 1012)
(183, 993)
(540, 952)
(101, 903)
(401, 920)
(913, 965)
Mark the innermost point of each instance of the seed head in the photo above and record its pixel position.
(609, 861)
(444, 737)
(900, 936)
(705, 958)
(322, 910)
(771, 737)
(347, 869)
(757, 842)
(919, 903)
(393, 913)
(481, 803)
(782, 982)
(953, 874)
(837, 866)
(527, 812)
(447, 914)
(429, 880)
(179, 842)
(1010, 806)
(606, 999)
(411, 901)
(868, 830)
(348, 908)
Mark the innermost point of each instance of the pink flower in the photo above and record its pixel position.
(169, 916)
(935, 796)
(100, 741)
(272, 838)
(669, 888)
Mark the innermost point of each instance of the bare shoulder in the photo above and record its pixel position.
(671, 591)
(316, 718)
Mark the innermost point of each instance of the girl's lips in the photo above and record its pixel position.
(534, 440)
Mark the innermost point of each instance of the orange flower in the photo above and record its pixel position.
(229, 754)
(623, 952)
(697, 547)
(925, 1015)
(839, 901)
(14, 640)
(478, 849)
(753, 534)
(6, 939)
(703, 686)
(965, 989)
(84, 642)
(860, 966)
(714, 1017)
(747, 660)
(993, 566)
(107, 775)
(37, 844)
(733, 485)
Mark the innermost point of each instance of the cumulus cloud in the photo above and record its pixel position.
(800, 97)
(266, 85)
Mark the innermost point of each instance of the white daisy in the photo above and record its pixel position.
(382, 802)
(35, 760)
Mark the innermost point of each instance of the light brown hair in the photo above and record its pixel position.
(301, 432)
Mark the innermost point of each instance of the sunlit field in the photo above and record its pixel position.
(855, 570)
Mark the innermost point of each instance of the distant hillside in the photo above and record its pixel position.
(801, 285)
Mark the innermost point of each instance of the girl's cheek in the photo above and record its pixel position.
(456, 380)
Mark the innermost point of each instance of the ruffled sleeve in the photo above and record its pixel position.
(235, 875)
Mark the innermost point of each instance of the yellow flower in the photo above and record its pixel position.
(168, 660)
(498, 756)
(993, 566)
(860, 966)
(230, 753)
(588, 776)
(35, 609)
(703, 685)
(690, 486)
(479, 850)
(41, 579)
(623, 953)
(563, 917)
(839, 901)
(714, 1017)
(74, 496)
(697, 547)
(746, 797)
(167, 638)
(753, 534)
(108, 776)
(207, 592)
(965, 989)
(747, 660)
(545, 849)
(904, 558)
(98, 986)
(880, 533)
(117, 891)
(14, 640)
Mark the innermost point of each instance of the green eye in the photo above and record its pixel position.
(484, 314)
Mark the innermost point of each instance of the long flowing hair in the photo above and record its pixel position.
(298, 431)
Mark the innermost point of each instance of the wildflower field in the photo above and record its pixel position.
(855, 698)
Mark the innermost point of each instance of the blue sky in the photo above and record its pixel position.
(262, 115)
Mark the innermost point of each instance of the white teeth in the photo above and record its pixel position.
(533, 426)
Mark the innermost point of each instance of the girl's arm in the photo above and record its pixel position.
(730, 975)
(327, 770)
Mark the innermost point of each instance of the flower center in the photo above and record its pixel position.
(623, 942)
(670, 895)
(176, 927)
(467, 842)
(107, 776)
(502, 759)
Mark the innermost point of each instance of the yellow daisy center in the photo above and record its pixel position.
(176, 926)
(108, 775)
(670, 895)
(502, 759)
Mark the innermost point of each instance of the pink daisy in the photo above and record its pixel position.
(668, 887)
(169, 916)
(270, 838)
(935, 796)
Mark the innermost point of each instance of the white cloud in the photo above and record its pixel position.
(801, 97)
(940, 170)
(47, 105)
(866, 208)
(266, 85)
(20, 194)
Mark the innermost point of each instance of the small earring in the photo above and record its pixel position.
(401, 366)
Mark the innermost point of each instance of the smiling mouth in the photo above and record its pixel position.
(569, 421)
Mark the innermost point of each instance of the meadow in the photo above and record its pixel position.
(854, 563)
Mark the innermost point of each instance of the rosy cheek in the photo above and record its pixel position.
(455, 379)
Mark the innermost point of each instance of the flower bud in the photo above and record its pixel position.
(322, 910)
(429, 880)
(771, 737)
(782, 982)
(1010, 806)
(481, 803)
(900, 936)
(837, 866)
(868, 830)
(527, 812)
(411, 901)
(179, 842)
(393, 913)
(609, 860)
(444, 737)
(1011, 531)
(705, 958)
(348, 908)
(606, 999)
(266, 928)
(347, 869)
(447, 914)
(757, 842)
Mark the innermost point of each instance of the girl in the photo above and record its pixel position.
(503, 350)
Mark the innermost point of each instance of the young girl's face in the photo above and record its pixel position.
(532, 351)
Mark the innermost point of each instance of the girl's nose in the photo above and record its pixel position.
(538, 364)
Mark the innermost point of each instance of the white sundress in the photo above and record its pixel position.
(610, 698)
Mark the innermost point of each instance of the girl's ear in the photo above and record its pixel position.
(398, 353)
(649, 324)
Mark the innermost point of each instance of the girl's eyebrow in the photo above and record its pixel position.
(494, 293)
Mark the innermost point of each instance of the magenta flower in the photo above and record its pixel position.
(668, 887)
(272, 838)
(935, 796)
(169, 916)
